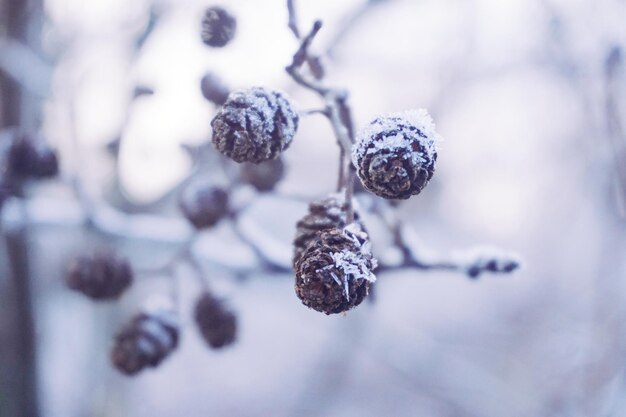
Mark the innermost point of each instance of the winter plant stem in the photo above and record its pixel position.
(337, 108)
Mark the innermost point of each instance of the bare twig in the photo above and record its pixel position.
(472, 262)
(337, 109)
(293, 19)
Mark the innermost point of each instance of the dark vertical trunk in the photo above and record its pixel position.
(18, 371)
(21, 399)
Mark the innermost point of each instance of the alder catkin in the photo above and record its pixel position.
(254, 125)
(145, 341)
(102, 275)
(216, 323)
(395, 155)
(334, 273)
(218, 27)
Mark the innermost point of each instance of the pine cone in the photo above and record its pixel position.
(204, 204)
(327, 213)
(218, 27)
(145, 341)
(216, 323)
(263, 176)
(101, 275)
(334, 273)
(254, 125)
(214, 89)
(395, 155)
(30, 157)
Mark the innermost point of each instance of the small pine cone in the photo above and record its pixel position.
(30, 157)
(334, 273)
(101, 275)
(327, 213)
(204, 204)
(213, 89)
(145, 341)
(395, 155)
(216, 323)
(254, 125)
(218, 27)
(263, 176)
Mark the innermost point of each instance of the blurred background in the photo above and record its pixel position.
(530, 96)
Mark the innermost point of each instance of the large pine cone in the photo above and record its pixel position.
(145, 341)
(217, 324)
(327, 213)
(102, 275)
(254, 125)
(395, 155)
(334, 273)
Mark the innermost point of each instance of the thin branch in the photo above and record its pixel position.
(472, 262)
(338, 112)
(293, 19)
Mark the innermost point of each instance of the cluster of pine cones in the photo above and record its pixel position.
(151, 335)
(394, 157)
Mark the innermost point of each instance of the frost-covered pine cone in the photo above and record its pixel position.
(217, 324)
(334, 273)
(327, 213)
(218, 27)
(214, 89)
(254, 125)
(263, 176)
(203, 203)
(395, 155)
(32, 157)
(102, 275)
(145, 341)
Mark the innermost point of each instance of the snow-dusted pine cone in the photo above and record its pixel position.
(214, 89)
(395, 155)
(145, 341)
(102, 275)
(263, 176)
(254, 125)
(203, 203)
(32, 157)
(327, 213)
(334, 273)
(217, 324)
(218, 27)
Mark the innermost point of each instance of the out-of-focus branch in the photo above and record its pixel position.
(293, 19)
(23, 65)
(614, 73)
(350, 21)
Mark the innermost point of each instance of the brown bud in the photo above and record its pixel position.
(101, 275)
(217, 324)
